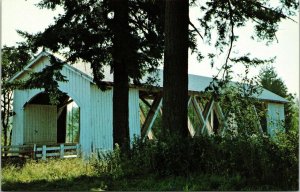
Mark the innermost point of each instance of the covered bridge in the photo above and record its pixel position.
(37, 122)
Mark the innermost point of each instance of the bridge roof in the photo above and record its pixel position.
(197, 83)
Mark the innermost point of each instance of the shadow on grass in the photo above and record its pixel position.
(86, 183)
(15, 161)
(150, 183)
(82, 183)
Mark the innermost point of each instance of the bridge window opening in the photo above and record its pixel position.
(73, 122)
(49, 124)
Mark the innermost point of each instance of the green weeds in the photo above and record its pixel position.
(202, 163)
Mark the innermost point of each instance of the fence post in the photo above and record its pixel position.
(34, 151)
(44, 152)
(78, 150)
(62, 149)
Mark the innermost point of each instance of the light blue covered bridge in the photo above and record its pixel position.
(37, 122)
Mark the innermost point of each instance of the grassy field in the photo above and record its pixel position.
(58, 174)
(75, 175)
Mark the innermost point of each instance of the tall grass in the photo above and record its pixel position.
(203, 163)
(46, 170)
(53, 174)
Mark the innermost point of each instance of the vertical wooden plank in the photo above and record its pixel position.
(134, 114)
(275, 118)
(78, 150)
(62, 150)
(102, 119)
(34, 151)
(44, 152)
(40, 124)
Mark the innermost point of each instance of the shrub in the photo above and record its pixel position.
(108, 163)
(260, 160)
(257, 160)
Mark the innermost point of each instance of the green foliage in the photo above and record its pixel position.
(86, 31)
(48, 79)
(239, 110)
(49, 170)
(288, 151)
(108, 163)
(221, 19)
(239, 104)
(13, 60)
(73, 125)
(269, 80)
(201, 163)
(50, 175)
(259, 161)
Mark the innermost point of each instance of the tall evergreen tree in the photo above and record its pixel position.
(269, 80)
(120, 56)
(175, 82)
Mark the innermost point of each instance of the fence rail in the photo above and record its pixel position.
(42, 151)
(17, 150)
(61, 151)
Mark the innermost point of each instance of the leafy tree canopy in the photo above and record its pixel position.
(219, 20)
(269, 80)
(84, 32)
(13, 60)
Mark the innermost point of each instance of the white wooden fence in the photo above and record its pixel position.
(61, 151)
(42, 151)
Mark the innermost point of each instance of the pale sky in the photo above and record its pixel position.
(23, 15)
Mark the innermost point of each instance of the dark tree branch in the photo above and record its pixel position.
(260, 5)
(259, 23)
(225, 65)
(136, 21)
(197, 31)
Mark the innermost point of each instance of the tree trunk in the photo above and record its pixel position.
(175, 91)
(120, 67)
(10, 137)
(5, 113)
